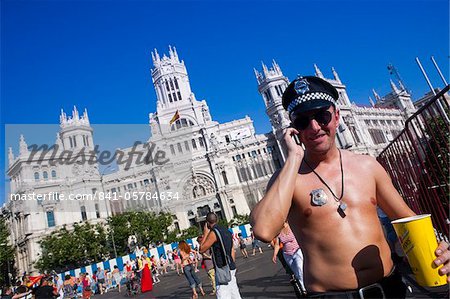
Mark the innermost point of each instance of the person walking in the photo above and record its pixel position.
(242, 246)
(117, 276)
(177, 260)
(209, 266)
(45, 290)
(101, 280)
(189, 270)
(220, 240)
(69, 288)
(291, 252)
(59, 286)
(163, 263)
(86, 286)
(146, 275)
(255, 243)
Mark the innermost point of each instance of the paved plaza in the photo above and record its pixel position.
(257, 277)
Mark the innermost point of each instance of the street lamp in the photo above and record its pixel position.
(156, 188)
(107, 208)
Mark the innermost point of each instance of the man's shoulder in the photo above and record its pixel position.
(220, 229)
(359, 159)
(223, 231)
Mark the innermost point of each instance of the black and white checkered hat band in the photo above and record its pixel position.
(309, 97)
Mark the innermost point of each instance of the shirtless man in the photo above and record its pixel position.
(329, 197)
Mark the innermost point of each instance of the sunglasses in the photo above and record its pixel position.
(323, 118)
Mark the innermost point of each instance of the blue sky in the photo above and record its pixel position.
(96, 54)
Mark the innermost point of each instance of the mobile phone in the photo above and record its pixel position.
(297, 140)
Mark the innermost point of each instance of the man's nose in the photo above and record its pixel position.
(314, 125)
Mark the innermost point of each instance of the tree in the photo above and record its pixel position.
(148, 227)
(6, 255)
(70, 249)
(239, 220)
(85, 243)
(190, 232)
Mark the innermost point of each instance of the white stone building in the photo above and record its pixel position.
(39, 180)
(221, 167)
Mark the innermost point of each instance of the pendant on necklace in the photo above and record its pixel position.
(341, 209)
(318, 197)
(343, 206)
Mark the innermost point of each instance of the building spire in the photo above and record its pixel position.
(394, 87)
(375, 94)
(155, 57)
(23, 147)
(10, 156)
(58, 141)
(175, 54)
(85, 116)
(265, 70)
(75, 114)
(62, 117)
(335, 74)
(170, 51)
(276, 67)
(318, 72)
(402, 87)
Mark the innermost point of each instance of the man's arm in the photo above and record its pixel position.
(276, 247)
(388, 197)
(21, 295)
(233, 253)
(268, 216)
(395, 207)
(209, 238)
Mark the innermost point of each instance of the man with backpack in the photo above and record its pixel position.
(220, 240)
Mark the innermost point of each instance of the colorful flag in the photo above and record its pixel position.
(174, 118)
(34, 280)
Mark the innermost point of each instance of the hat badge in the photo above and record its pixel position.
(301, 86)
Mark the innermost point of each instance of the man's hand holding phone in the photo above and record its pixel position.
(292, 141)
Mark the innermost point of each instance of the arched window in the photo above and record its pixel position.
(83, 213)
(97, 211)
(167, 86)
(36, 176)
(45, 176)
(224, 176)
(53, 174)
(181, 123)
(50, 218)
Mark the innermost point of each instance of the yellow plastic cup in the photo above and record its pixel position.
(419, 243)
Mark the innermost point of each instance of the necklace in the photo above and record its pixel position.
(342, 205)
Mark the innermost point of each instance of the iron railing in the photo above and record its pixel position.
(418, 161)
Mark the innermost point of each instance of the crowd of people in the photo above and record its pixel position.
(137, 276)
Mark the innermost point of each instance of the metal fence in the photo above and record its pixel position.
(418, 161)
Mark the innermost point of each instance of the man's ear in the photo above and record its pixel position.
(337, 115)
